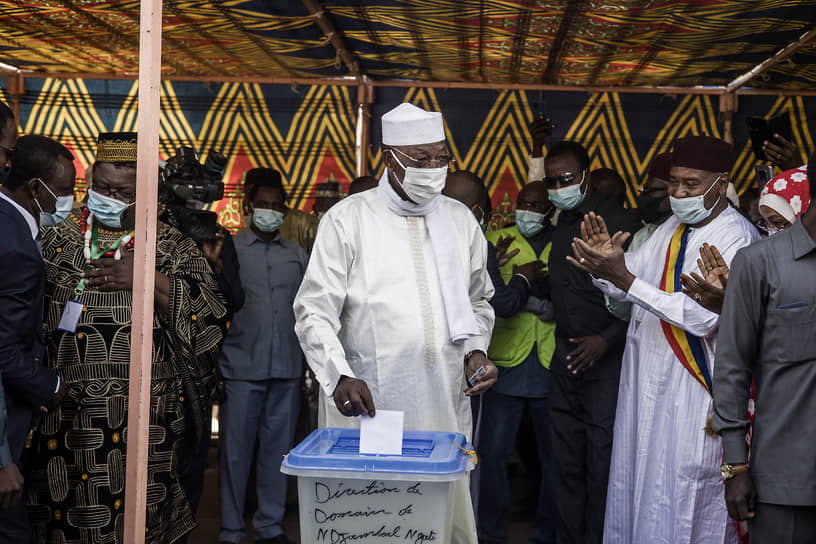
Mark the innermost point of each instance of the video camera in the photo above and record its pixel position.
(186, 186)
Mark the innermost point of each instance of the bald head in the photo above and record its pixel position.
(466, 187)
(610, 184)
(534, 197)
(536, 190)
(469, 189)
(363, 183)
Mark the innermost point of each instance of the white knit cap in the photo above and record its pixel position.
(732, 195)
(409, 125)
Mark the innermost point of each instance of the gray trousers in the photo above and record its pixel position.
(782, 524)
(266, 410)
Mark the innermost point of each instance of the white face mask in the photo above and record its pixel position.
(691, 210)
(422, 184)
(63, 208)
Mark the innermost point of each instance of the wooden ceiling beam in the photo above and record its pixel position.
(334, 36)
(352, 82)
(769, 63)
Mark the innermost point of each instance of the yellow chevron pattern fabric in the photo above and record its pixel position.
(308, 132)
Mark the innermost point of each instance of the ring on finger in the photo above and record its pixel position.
(346, 403)
(582, 260)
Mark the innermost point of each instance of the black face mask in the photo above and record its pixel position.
(648, 207)
(4, 174)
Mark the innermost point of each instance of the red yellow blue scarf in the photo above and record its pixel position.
(686, 347)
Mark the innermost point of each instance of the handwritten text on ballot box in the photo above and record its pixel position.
(347, 497)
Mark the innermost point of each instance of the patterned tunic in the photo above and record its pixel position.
(76, 487)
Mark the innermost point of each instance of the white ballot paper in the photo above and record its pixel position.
(382, 433)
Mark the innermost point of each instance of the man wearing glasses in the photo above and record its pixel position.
(588, 350)
(88, 303)
(393, 311)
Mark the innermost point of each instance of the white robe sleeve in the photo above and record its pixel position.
(480, 291)
(536, 170)
(608, 289)
(319, 304)
(678, 308)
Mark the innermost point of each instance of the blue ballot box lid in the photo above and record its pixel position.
(423, 452)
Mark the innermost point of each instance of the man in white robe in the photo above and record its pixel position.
(665, 484)
(393, 310)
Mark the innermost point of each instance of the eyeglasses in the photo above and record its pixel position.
(439, 162)
(770, 226)
(102, 189)
(567, 178)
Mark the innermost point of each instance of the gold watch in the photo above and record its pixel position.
(729, 471)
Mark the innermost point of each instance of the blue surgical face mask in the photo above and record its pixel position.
(529, 223)
(691, 210)
(63, 208)
(106, 209)
(267, 220)
(569, 197)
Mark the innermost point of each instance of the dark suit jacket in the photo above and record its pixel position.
(27, 381)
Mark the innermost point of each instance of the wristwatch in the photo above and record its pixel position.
(729, 471)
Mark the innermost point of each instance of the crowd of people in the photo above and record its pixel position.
(660, 355)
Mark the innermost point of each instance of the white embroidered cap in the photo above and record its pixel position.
(409, 125)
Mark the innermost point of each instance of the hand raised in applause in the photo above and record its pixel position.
(502, 245)
(600, 254)
(708, 290)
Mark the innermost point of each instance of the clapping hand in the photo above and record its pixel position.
(502, 245)
(600, 254)
(709, 289)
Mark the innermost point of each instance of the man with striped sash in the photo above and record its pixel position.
(665, 484)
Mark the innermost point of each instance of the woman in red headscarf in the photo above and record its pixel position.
(783, 199)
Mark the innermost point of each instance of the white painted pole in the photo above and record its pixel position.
(144, 270)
